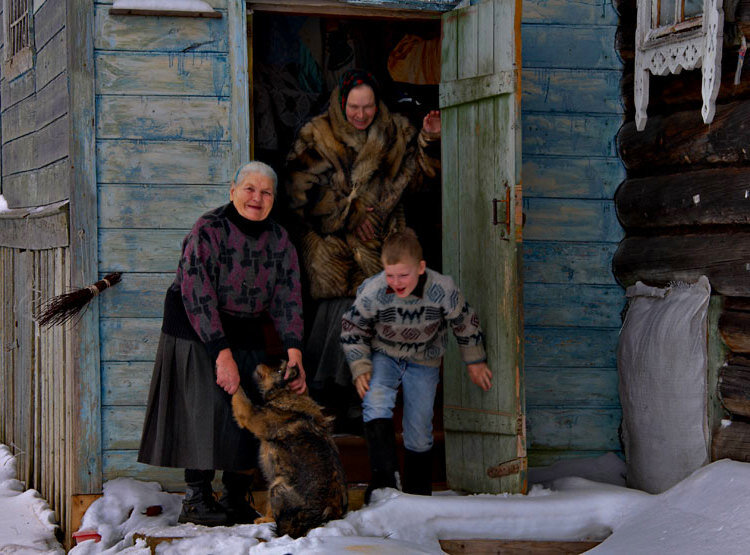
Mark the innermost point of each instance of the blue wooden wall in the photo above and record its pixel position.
(571, 113)
(165, 153)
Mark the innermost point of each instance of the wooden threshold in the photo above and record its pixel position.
(515, 547)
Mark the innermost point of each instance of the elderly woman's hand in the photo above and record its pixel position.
(299, 385)
(227, 373)
(431, 122)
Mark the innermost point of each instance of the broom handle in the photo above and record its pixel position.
(107, 281)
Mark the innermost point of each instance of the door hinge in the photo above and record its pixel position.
(513, 466)
(501, 215)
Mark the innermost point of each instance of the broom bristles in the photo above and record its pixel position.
(62, 308)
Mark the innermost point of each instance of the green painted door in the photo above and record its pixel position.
(481, 153)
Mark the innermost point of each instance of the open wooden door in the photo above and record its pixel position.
(480, 102)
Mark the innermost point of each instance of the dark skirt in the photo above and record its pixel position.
(325, 359)
(189, 421)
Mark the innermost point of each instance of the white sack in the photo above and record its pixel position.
(662, 364)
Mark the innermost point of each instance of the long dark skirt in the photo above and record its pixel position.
(325, 358)
(189, 421)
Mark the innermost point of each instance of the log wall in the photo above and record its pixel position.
(685, 206)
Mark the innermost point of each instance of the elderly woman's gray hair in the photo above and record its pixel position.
(255, 167)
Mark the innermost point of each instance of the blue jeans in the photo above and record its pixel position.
(419, 382)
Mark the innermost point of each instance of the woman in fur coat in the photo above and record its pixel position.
(346, 173)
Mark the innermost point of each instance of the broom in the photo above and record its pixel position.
(62, 308)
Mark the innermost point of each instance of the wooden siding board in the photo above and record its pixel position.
(38, 149)
(51, 60)
(124, 463)
(576, 429)
(145, 206)
(129, 339)
(140, 250)
(122, 426)
(48, 21)
(580, 12)
(579, 387)
(163, 118)
(571, 220)
(568, 262)
(570, 134)
(573, 347)
(16, 90)
(46, 185)
(567, 90)
(189, 74)
(240, 81)
(571, 177)
(137, 296)
(126, 383)
(198, 163)
(164, 34)
(562, 305)
(569, 46)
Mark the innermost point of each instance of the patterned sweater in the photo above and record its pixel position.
(412, 328)
(231, 273)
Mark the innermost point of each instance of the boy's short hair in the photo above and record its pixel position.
(401, 245)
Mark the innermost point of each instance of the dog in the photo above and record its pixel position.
(298, 457)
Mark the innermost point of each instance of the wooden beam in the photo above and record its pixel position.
(705, 197)
(735, 330)
(383, 10)
(240, 91)
(734, 389)
(516, 547)
(85, 471)
(732, 441)
(35, 229)
(721, 256)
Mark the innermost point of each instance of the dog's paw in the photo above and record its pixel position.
(263, 520)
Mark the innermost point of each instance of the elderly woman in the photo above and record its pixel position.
(237, 269)
(346, 173)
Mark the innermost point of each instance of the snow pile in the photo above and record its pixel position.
(3, 204)
(164, 5)
(27, 524)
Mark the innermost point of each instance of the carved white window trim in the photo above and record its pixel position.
(184, 8)
(688, 45)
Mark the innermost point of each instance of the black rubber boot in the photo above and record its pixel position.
(418, 472)
(381, 446)
(236, 498)
(199, 505)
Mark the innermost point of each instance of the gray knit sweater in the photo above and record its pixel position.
(412, 328)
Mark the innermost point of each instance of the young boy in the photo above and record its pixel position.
(395, 334)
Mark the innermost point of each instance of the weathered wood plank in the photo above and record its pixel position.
(19, 119)
(240, 81)
(735, 330)
(559, 262)
(122, 426)
(570, 134)
(48, 20)
(37, 149)
(136, 296)
(197, 163)
(124, 463)
(584, 91)
(37, 110)
(168, 118)
(51, 60)
(703, 197)
(38, 230)
(691, 142)
(190, 74)
(574, 347)
(129, 339)
(722, 257)
(164, 34)
(140, 250)
(569, 177)
(569, 46)
(558, 305)
(577, 429)
(126, 383)
(216, 4)
(734, 389)
(570, 220)
(16, 90)
(732, 441)
(84, 469)
(515, 547)
(571, 387)
(42, 186)
(583, 12)
(546, 457)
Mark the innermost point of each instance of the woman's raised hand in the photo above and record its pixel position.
(227, 373)
(431, 122)
(299, 385)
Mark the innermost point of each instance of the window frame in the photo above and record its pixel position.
(687, 44)
(20, 61)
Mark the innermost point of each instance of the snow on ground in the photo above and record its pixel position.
(707, 512)
(3, 204)
(26, 521)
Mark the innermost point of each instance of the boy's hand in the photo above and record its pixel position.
(362, 383)
(480, 374)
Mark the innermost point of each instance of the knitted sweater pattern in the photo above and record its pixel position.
(413, 328)
(240, 273)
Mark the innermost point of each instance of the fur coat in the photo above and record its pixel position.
(338, 177)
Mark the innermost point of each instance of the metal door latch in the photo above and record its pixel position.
(502, 215)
